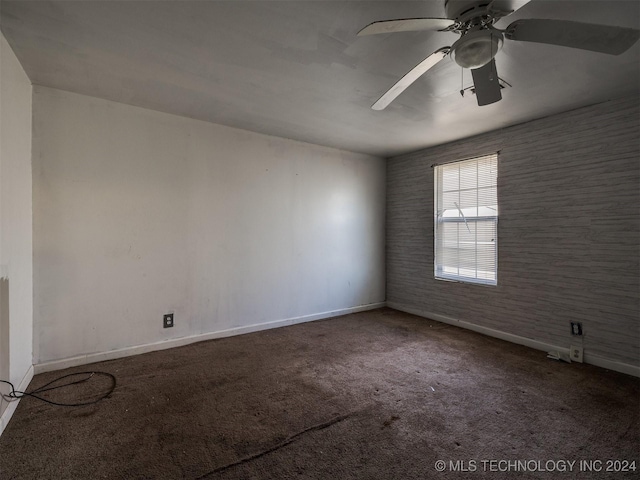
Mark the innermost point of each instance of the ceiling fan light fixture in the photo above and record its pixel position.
(476, 48)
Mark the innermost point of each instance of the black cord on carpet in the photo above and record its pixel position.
(16, 394)
(285, 442)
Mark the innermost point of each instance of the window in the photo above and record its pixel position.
(466, 220)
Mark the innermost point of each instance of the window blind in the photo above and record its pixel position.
(466, 220)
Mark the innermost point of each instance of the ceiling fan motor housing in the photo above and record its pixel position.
(477, 47)
(463, 10)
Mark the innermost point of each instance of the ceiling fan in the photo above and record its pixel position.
(480, 41)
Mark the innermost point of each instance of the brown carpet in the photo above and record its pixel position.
(373, 395)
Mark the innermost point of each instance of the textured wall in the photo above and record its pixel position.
(137, 213)
(568, 234)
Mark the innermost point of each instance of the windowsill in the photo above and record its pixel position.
(481, 283)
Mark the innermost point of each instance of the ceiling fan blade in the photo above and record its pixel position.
(485, 81)
(415, 73)
(405, 25)
(585, 36)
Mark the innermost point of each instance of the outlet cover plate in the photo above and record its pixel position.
(576, 353)
(167, 320)
(576, 329)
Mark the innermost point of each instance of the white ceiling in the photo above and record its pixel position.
(296, 69)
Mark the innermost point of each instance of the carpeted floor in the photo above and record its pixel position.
(373, 395)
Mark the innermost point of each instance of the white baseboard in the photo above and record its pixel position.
(603, 362)
(11, 408)
(178, 342)
(528, 342)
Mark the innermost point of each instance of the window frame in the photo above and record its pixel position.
(462, 219)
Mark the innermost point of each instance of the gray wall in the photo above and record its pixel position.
(568, 234)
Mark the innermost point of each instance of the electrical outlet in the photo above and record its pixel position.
(167, 320)
(576, 353)
(576, 329)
